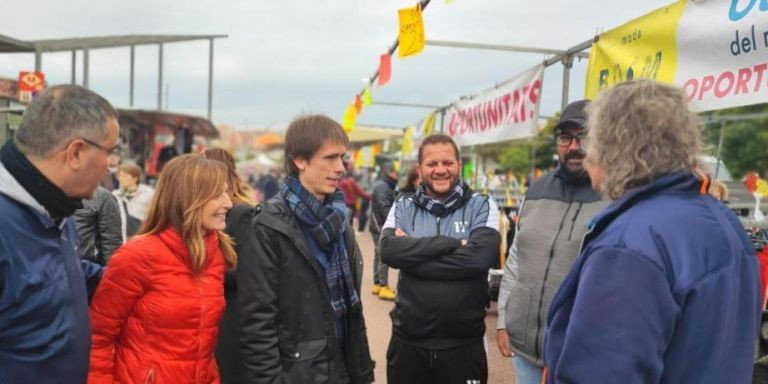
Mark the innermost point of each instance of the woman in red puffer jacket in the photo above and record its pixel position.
(156, 312)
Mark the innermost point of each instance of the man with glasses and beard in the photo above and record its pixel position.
(443, 238)
(552, 222)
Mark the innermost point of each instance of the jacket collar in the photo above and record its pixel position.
(11, 188)
(172, 239)
(677, 182)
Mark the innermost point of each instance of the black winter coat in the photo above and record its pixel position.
(228, 356)
(287, 323)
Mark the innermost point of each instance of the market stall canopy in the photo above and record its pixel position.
(370, 134)
(9, 44)
(198, 125)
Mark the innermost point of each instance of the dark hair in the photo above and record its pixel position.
(62, 113)
(305, 136)
(413, 175)
(437, 139)
(238, 191)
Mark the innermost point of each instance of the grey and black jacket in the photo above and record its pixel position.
(382, 198)
(99, 227)
(443, 286)
(287, 325)
(550, 229)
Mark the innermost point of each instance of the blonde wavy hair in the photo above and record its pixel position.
(639, 130)
(186, 183)
(239, 191)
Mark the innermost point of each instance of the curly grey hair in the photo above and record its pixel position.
(62, 113)
(639, 130)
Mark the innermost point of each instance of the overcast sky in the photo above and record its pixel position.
(287, 57)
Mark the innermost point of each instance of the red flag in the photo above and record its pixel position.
(385, 69)
(358, 103)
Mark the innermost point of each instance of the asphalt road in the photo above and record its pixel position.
(500, 369)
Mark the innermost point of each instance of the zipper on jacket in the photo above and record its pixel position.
(438, 225)
(546, 275)
(573, 221)
(199, 333)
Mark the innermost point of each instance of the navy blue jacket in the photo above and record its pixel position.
(45, 330)
(666, 290)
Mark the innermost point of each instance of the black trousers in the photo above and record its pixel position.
(409, 364)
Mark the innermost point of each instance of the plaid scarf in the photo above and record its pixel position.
(441, 208)
(326, 223)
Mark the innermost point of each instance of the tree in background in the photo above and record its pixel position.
(515, 156)
(745, 143)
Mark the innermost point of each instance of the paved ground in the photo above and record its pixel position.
(376, 311)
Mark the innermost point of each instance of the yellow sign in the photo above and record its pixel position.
(411, 36)
(643, 48)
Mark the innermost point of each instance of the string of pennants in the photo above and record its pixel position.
(410, 42)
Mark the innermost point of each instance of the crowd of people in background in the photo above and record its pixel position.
(625, 265)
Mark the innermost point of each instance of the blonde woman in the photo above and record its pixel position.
(155, 314)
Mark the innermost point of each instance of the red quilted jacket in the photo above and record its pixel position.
(153, 320)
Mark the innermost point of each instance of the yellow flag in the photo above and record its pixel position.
(349, 118)
(407, 141)
(642, 48)
(367, 100)
(411, 36)
(429, 124)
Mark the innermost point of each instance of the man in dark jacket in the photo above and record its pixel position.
(550, 227)
(99, 227)
(444, 238)
(382, 196)
(299, 272)
(58, 156)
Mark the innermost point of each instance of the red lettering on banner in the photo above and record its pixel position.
(508, 108)
(744, 75)
(737, 82)
(719, 93)
(760, 68)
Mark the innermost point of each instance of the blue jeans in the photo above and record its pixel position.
(527, 372)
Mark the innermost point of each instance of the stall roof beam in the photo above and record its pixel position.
(57, 45)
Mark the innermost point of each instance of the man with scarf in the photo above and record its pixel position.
(551, 225)
(443, 238)
(300, 271)
(58, 157)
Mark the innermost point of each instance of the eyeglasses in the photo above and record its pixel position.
(565, 139)
(109, 151)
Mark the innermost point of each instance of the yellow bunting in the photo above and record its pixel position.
(429, 124)
(407, 141)
(349, 118)
(411, 35)
(367, 99)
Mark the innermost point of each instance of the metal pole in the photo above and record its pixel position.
(719, 148)
(86, 64)
(132, 78)
(38, 61)
(567, 64)
(160, 76)
(498, 47)
(210, 78)
(74, 67)
(413, 105)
